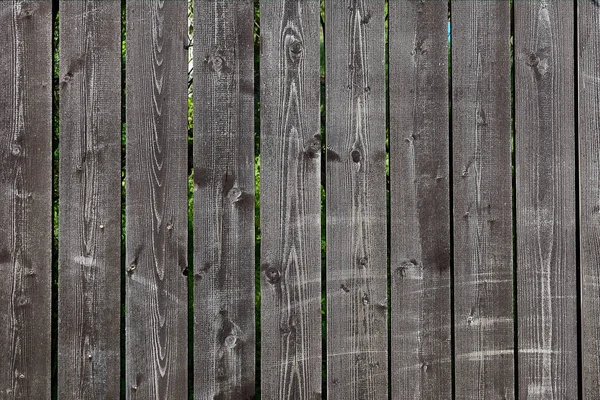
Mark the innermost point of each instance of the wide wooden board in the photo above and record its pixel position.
(89, 285)
(25, 199)
(224, 328)
(357, 303)
(156, 321)
(419, 200)
(545, 185)
(482, 198)
(588, 62)
(290, 200)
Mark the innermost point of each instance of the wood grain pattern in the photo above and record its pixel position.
(156, 283)
(357, 356)
(588, 21)
(25, 199)
(290, 200)
(224, 329)
(545, 173)
(482, 177)
(90, 205)
(419, 200)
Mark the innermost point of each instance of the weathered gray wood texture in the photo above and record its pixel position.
(290, 200)
(156, 321)
(482, 180)
(89, 286)
(419, 200)
(224, 329)
(357, 345)
(25, 199)
(588, 23)
(545, 174)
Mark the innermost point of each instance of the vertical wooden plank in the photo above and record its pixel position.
(290, 200)
(482, 177)
(90, 200)
(156, 282)
(588, 21)
(545, 172)
(419, 200)
(224, 334)
(357, 359)
(25, 198)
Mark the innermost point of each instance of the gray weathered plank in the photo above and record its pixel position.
(419, 200)
(588, 21)
(357, 358)
(224, 329)
(25, 198)
(89, 282)
(482, 192)
(290, 200)
(545, 173)
(156, 282)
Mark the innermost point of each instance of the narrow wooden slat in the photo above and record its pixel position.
(25, 199)
(419, 200)
(545, 173)
(357, 359)
(588, 21)
(290, 200)
(224, 333)
(90, 200)
(156, 282)
(482, 177)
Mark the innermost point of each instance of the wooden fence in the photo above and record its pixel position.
(468, 270)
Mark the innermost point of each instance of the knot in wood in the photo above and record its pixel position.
(294, 47)
(313, 147)
(366, 300)
(230, 341)
(26, 13)
(68, 77)
(533, 60)
(480, 116)
(234, 194)
(22, 301)
(217, 63)
(16, 150)
(199, 275)
(363, 262)
(273, 275)
(356, 156)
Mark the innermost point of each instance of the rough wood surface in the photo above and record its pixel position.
(157, 221)
(482, 180)
(89, 300)
(290, 200)
(545, 173)
(357, 348)
(588, 23)
(224, 329)
(25, 199)
(419, 200)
